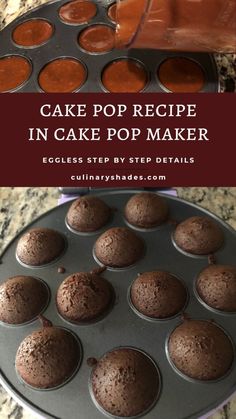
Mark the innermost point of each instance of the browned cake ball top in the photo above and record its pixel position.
(199, 235)
(158, 294)
(125, 382)
(200, 350)
(83, 297)
(39, 246)
(88, 213)
(47, 357)
(146, 210)
(216, 285)
(119, 247)
(22, 298)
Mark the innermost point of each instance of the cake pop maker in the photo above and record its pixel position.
(179, 396)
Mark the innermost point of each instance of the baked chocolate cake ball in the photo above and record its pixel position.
(200, 350)
(118, 247)
(83, 297)
(39, 246)
(125, 382)
(216, 285)
(199, 236)
(47, 357)
(22, 298)
(146, 210)
(88, 213)
(158, 294)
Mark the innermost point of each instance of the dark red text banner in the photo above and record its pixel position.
(118, 140)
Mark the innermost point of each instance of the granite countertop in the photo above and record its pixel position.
(19, 206)
(226, 63)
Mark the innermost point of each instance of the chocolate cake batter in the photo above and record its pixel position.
(14, 71)
(124, 76)
(181, 75)
(97, 38)
(78, 12)
(32, 33)
(63, 75)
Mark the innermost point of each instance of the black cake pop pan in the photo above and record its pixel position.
(64, 43)
(179, 397)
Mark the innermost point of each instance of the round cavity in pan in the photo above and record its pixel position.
(181, 75)
(111, 12)
(124, 75)
(22, 299)
(77, 12)
(32, 33)
(15, 70)
(62, 75)
(97, 39)
(157, 295)
(125, 382)
(200, 350)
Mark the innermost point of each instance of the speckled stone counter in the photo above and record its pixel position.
(19, 206)
(11, 9)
